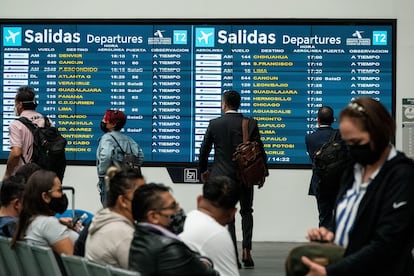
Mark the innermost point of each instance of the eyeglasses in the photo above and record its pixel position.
(60, 190)
(174, 206)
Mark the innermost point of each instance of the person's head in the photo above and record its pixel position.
(11, 194)
(219, 199)
(231, 100)
(43, 195)
(122, 183)
(27, 170)
(24, 100)
(154, 203)
(367, 128)
(325, 115)
(113, 120)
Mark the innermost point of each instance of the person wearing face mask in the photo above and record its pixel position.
(112, 146)
(42, 199)
(205, 228)
(21, 138)
(375, 205)
(155, 249)
(111, 230)
(11, 195)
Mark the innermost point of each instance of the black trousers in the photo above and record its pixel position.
(246, 212)
(326, 205)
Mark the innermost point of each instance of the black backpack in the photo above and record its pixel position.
(48, 147)
(250, 160)
(329, 162)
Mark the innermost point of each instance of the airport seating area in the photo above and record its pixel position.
(33, 260)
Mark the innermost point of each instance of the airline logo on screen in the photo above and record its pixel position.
(12, 36)
(205, 37)
(360, 38)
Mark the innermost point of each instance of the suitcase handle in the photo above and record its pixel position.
(72, 190)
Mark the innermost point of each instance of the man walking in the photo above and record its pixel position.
(225, 133)
(21, 138)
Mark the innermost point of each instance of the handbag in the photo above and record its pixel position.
(321, 253)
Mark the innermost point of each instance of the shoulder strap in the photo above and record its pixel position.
(47, 122)
(27, 123)
(245, 130)
(333, 135)
(116, 141)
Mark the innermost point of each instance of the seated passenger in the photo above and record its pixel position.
(154, 249)
(42, 199)
(112, 228)
(11, 195)
(205, 228)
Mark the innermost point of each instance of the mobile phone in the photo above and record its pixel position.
(75, 220)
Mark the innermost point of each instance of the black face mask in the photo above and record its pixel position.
(103, 127)
(363, 154)
(176, 222)
(59, 204)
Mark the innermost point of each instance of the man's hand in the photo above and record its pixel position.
(12, 161)
(314, 268)
(320, 234)
(204, 176)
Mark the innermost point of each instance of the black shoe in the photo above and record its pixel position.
(248, 263)
(247, 259)
(239, 265)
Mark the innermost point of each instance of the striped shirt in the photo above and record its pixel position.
(347, 207)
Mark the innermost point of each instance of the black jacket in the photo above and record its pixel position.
(154, 254)
(314, 141)
(382, 237)
(225, 133)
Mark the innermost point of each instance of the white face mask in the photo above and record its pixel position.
(15, 112)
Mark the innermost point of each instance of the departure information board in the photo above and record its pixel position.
(168, 77)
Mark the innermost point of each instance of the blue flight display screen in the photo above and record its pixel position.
(168, 78)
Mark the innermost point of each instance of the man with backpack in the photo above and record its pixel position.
(115, 148)
(21, 138)
(314, 141)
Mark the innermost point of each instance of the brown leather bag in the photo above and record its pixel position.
(251, 164)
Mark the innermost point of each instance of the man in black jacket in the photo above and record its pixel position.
(225, 133)
(155, 248)
(314, 141)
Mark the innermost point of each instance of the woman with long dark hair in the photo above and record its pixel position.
(42, 199)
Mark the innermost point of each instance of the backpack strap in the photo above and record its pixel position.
(29, 124)
(116, 141)
(333, 136)
(245, 130)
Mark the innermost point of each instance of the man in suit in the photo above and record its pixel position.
(314, 142)
(225, 133)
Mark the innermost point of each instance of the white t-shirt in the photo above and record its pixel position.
(47, 230)
(205, 235)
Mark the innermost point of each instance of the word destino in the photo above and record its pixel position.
(239, 37)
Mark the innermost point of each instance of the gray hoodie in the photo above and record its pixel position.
(109, 239)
